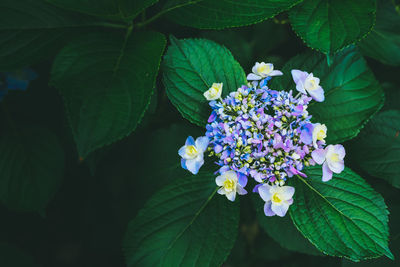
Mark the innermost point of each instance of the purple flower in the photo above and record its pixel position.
(307, 83)
(332, 159)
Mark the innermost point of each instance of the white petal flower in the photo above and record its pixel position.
(262, 70)
(319, 133)
(214, 92)
(307, 83)
(332, 160)
(229, 185)
(277, 199)
(192, 153)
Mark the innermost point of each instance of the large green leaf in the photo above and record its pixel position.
(383, 43)
(211, 14)
(107, 82)
(282, 230)
(377, 149)
(32, 29)
(185, 224)
(328, 25)
(343, 217)
(11, 256)
(352, 94)
(31, 167)
(124, 10)
(191, 66)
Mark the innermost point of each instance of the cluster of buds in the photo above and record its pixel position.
(264, 134)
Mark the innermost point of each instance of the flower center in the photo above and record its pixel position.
(276, 199)
(321, 135)
(265, 69)
(191, 151)
(311, 84)
(229, 185)
(334, 157)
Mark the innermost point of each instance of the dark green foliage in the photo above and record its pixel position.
(325, 211)
(187, 75)
(328, 25)
(352, 94)
(89, 168)
(109, 100)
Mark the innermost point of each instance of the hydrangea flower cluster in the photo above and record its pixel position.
(264, 134)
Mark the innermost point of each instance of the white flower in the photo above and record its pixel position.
(277, 199)
(214, 92)
(307, 83)
(262, 70)
(230, 185)
(332, 160)
(319, 133)
(192, 153)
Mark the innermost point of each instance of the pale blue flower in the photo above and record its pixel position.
(192, 153)
(277, 199)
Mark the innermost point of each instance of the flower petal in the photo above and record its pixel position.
(286, 192)
(275, 73)
(326, 172)
(317, 94)
(202, 143)
(240, 190)
(189, 141)
(264, 192)
(220, 180)
(280, 210)
(182, 151)
(267, 209)
(299, 75)
(231, 196)
(242, 179)
(319, 155)
(193, 165)
(253, 77)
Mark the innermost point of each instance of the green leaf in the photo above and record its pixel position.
(190, 67)
(343, 217)
(211, 14)
(124, 10)
(290, 238)
(185, 224)
(107, 82)
(12, 257)
(31, 30)
(328, 25)
(383, 43)
(377, 149)
(31, 167)
(352, 94)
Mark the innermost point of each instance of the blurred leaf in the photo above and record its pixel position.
(124, 10)
(191, 66)
(392, 96)
(282, 230)
(331, 25)
(352, 94)
(107, 82)
(383, 43)
(185, 224)
(31, 30)
(151, 156)
(11, 256)
(31, 167)
(377, 149)
(343, 217)
(211, 14)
